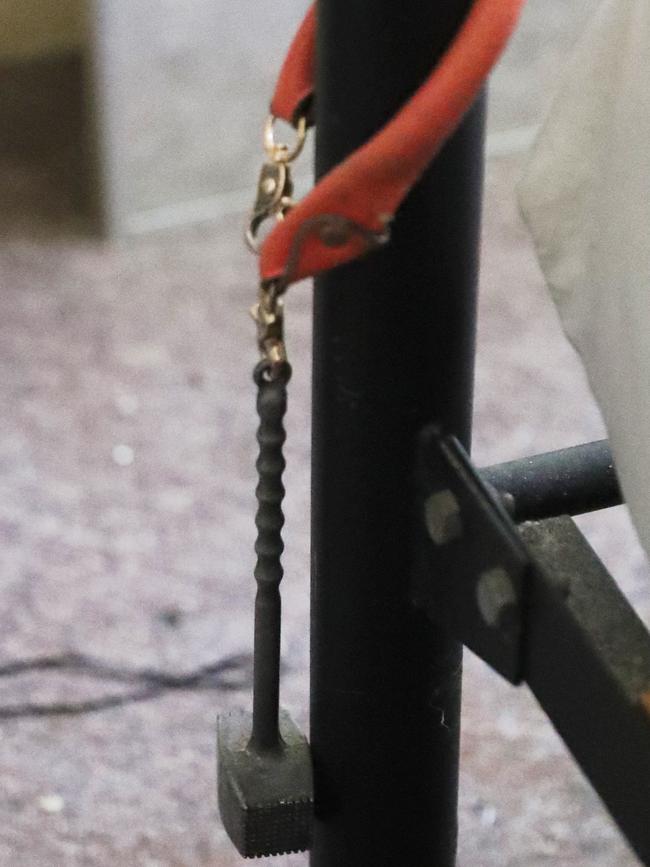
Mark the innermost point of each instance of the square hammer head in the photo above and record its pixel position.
(266, 799)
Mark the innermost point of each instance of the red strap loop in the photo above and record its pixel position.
(349, 210)
(295, 86)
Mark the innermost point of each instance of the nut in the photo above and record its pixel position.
(495, 596)
(442, 517)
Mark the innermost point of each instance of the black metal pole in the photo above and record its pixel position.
(393, 351)
(571, 481)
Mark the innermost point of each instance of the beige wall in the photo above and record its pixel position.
(34, 28)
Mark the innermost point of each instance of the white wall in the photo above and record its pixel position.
(182, 89)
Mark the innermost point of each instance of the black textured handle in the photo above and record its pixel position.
(271, 407)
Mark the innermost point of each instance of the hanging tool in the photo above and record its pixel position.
(265, 773)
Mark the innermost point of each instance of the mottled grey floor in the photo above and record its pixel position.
(126, 503)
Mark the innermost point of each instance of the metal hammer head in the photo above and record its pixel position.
(266, 799)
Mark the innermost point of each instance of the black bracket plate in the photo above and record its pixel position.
(475, 568)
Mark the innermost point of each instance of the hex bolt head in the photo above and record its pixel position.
(495, 596)
(442, 517)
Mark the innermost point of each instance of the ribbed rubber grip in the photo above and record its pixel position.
(271, 407)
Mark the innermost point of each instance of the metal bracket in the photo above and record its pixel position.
(477, 561)
(536, 603)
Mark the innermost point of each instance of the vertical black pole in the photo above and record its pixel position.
(393, 350)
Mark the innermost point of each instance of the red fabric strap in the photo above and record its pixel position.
(349, 210)
(295, 86)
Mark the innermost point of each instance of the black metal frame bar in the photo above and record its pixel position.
(393, 351)
(571, 481)
(587, 661)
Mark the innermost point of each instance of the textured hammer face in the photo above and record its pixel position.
(266, 800)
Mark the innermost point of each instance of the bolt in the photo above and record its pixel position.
(442, 517)
(495, 595)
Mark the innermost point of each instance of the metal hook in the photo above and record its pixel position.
(274, 199)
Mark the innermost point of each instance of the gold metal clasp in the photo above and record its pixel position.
(275, 187)
(274, 192)
(268, 313)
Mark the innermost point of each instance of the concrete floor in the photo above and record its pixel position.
(126, 502)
